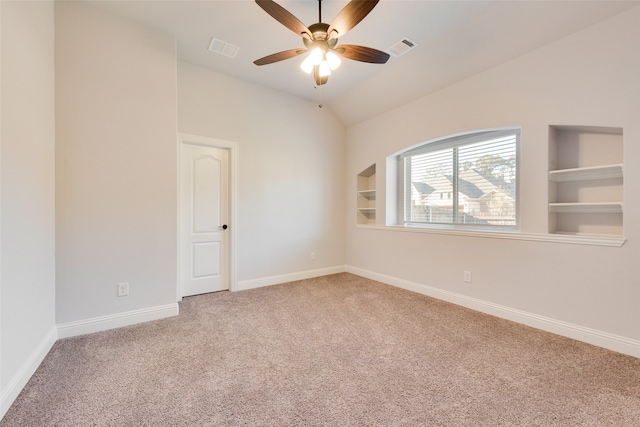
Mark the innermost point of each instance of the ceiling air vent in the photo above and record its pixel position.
(402, 47)
(223, 48)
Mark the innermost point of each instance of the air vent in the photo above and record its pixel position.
(223, 48)
(402, 47)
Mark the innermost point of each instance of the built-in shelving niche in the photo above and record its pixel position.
(586, 181)
(366, 204)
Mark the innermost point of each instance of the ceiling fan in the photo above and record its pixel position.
(320, 39)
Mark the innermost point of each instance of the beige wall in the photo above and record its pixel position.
(27, 233)
(291, 171)
(589, 78)
(116, 169)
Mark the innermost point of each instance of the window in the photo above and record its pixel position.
(476, 173)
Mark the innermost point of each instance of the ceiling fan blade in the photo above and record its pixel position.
(284, 17)
(362, 54)
(280, 56)
(349, 17)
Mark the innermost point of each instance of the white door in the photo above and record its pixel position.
(204, 206)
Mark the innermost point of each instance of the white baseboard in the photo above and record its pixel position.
(592, 336)
(20, 379)
(102, 323)
(291, 277)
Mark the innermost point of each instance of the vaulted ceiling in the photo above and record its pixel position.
(454, 40)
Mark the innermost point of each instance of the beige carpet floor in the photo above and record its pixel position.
(338, 350)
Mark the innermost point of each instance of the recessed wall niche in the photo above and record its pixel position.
(367, 196)
(586, 181)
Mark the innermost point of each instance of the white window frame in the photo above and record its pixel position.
(451, 141)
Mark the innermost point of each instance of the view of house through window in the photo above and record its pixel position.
(466, 180)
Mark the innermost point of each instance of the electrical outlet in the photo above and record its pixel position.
(466, 276)
(313, 256)
(123, 289)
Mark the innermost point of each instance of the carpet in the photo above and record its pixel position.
(337, 350)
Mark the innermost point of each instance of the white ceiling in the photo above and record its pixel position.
(455, 40)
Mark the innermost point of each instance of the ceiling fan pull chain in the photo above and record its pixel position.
(319, 88)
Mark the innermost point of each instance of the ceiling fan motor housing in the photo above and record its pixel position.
(319, 37)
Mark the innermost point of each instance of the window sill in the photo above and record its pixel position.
(508, 235)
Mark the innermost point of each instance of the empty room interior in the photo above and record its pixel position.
(117, 116)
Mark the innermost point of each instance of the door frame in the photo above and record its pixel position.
(233, 202)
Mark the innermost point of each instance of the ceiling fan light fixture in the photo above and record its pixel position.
(313, 59)
(316, 56)
(307, 65)
(333, 60)
(324, 69)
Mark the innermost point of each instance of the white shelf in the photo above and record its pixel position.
(598, 207)
(587, 173)
(368, 194)
(367, 211)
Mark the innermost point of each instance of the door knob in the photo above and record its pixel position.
(224, 227)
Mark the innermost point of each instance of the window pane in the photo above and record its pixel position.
(431, 187)
(471, 184)
(486, 183)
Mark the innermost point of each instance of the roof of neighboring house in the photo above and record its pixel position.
(469, 189)
(472, 183)
(508, 188)
(423, 188)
